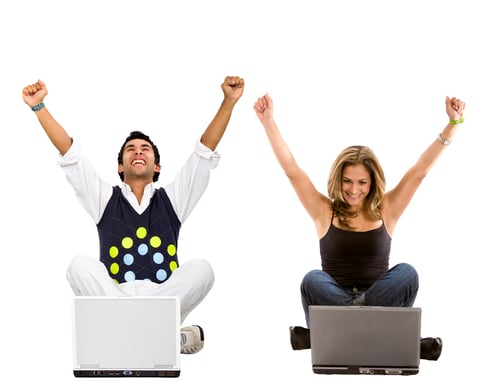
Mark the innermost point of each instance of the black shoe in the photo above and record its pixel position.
(430, 348)
(300, 338)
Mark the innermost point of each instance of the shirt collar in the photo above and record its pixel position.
(148, 192)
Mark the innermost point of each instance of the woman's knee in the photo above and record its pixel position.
(311, 280)
(310, 277)
(408, 274)
(407, 270)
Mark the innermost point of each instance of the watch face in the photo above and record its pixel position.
(442, 140)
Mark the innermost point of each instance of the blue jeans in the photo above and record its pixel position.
(397, 288)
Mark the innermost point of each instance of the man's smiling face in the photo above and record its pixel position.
(138, 161)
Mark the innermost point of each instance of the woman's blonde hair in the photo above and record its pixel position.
(351, 156)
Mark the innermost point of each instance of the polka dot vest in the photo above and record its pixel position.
(139, 246)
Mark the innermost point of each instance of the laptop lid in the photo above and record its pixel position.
(126, 336)
(365, 340)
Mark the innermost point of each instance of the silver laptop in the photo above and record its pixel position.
(365, 340)
(126, 336)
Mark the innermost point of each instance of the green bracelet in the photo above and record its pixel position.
(457, 122)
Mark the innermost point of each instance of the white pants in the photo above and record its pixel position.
(191, 282)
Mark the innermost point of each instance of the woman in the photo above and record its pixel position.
(355, 223)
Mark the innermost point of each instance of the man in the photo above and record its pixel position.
(138, 224)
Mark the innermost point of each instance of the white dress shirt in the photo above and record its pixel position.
(184, 191)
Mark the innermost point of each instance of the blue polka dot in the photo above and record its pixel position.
(158, 258)
(128, 259)
(129, 276)
(142, 249)
(161, 274)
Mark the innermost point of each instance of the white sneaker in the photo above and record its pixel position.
(192, 339)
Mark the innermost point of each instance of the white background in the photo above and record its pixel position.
(340, 73)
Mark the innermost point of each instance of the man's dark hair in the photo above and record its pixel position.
(139, 135)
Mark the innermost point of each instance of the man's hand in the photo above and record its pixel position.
(233, 88)
(34, 93)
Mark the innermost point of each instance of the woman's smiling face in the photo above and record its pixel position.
(356, 183)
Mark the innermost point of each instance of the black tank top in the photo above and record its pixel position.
(355, 259)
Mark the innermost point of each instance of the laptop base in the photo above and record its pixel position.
(365, 370)
(126, 373)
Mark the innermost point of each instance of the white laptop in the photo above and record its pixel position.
(126, 336)
(365, 340)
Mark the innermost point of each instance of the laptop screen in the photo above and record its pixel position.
(125, 335)
(355, 339)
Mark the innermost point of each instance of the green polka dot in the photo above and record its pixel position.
(171, 249)
(113, 251)
(114, 268)
(116, 281)
(141, 232)
(127, 242)
(155, 241)
(173, 266)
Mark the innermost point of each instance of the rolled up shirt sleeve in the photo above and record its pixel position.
(192, 180)
(91, 191)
